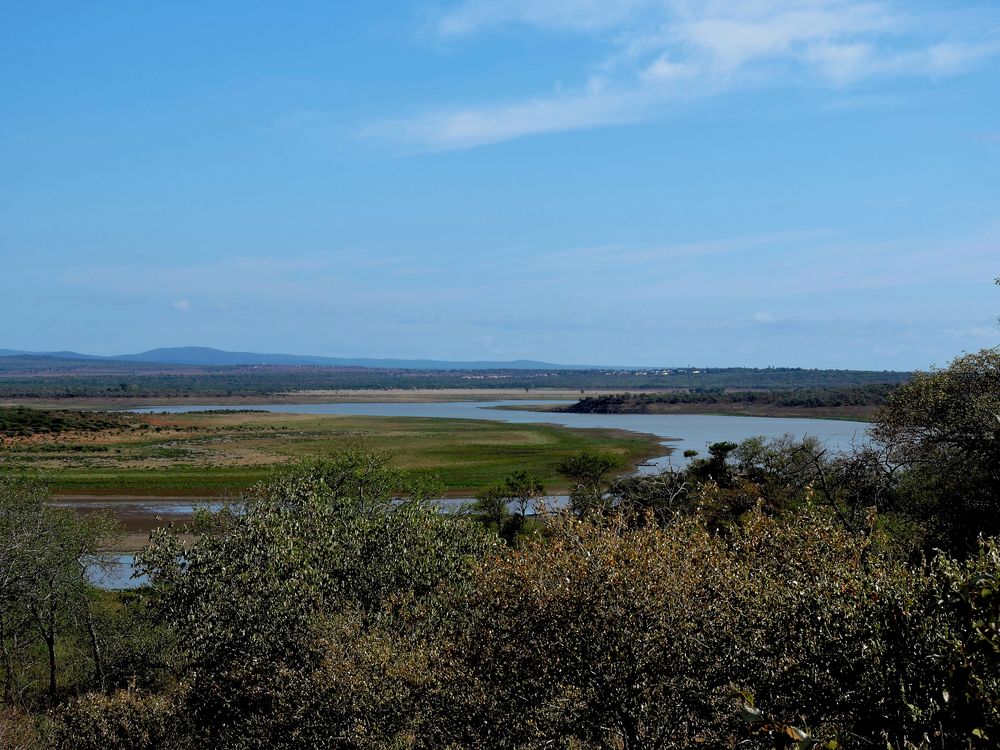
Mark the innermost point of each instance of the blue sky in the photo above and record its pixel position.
(751, 182)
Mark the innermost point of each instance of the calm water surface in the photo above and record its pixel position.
(117, 575)
(678, 431)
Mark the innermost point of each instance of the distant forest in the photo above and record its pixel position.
(806, 398)
(49, 377)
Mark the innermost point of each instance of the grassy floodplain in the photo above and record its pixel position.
(212, 454)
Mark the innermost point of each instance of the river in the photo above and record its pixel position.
(680, 432)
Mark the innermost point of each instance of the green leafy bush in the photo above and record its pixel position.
(261, 601)
(326, 610)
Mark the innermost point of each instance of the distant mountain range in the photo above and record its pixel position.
(207, 357)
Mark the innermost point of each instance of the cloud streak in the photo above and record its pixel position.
(665, 52)
(477, 126)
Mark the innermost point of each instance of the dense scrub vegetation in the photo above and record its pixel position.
(770, 595)
(21, 421)
(81, 379)
(870, 395)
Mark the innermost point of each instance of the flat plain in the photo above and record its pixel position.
(213, 454)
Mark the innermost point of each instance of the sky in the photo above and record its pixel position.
(809, 183)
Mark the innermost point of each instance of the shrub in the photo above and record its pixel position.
(17, 729)
(262, 601)
(125, 720)
(617, 634)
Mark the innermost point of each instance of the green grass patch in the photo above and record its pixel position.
(225, 452)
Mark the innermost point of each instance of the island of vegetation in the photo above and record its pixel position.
(844, 402)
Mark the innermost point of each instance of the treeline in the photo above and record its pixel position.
(870, 395)
(21, 421)
(71, 380)
(772, 594)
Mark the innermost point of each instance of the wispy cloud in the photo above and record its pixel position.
(476, 126)
(667, 51)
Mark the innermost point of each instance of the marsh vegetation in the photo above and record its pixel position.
(210, 453)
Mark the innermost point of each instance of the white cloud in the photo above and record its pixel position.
(475, 126)
(842, 64)
(183, 305)
(664, 70)
(665, 51)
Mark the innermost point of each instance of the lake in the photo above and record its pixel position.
(678, 431)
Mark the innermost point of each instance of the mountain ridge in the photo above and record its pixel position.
(210, 357)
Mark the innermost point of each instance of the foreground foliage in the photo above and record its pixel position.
(769, 595)
(616, 632)
(625, 634)
(327, 613)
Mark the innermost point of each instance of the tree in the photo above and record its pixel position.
(666, 495)
(943, 428)
(274, 594)
(714, 467)
(648, 636)
(794, 473)
(492, 505)
(45, 553)
(589, 472)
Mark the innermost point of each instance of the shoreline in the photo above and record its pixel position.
(714, 411)
(446, 395)
(143, 498)
(365, 395)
